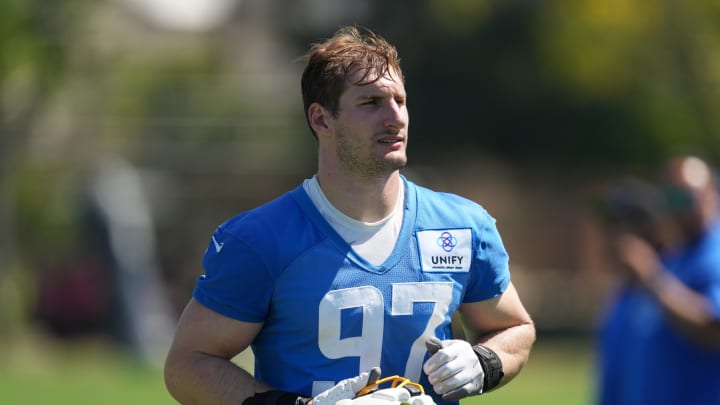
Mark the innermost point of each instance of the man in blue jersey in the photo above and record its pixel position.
(660, 340)
(356, 270)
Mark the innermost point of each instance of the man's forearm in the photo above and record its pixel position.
(513, 346)
(690, 311)
(197, 378)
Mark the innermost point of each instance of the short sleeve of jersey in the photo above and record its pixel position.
(492, 276)
(233, 269)
(489, 274)
(247, 255)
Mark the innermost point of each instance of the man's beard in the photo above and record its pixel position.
(370, 167)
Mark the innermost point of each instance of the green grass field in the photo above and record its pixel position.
(559, 372)
(39, 372)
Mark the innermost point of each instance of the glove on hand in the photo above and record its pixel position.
(453, 369)
(346, 389)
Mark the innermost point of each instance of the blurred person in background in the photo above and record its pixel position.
(356, 269)
(660, 339)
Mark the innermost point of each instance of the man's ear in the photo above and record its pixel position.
(319, 118)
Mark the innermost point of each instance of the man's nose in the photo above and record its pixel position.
(396, 115)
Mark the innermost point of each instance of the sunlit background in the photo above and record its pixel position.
(130, 129)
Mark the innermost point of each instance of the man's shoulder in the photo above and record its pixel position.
(428, 198)
(714, 230)
(279, 219)
(279, 229)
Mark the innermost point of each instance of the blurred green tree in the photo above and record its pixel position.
(656, 60)
(33, 61)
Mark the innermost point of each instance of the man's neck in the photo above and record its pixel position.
(367, 200)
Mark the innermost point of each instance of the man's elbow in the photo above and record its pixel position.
(172, 374)
(527, 338)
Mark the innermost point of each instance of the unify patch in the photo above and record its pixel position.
(445, 249)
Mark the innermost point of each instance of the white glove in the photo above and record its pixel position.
(454, 370)
(346, 389)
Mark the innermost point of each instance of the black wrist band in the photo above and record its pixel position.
(275, 397)
(492, 366)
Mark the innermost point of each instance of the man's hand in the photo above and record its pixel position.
(454, 369)
(346, 389)
(639, 256)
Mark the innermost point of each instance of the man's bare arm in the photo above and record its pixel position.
(503, 325)
(198, 368)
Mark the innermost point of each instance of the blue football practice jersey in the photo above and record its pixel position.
(328, 313)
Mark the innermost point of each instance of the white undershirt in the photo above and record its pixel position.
(374, 241)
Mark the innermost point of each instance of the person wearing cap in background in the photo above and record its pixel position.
(660, 340)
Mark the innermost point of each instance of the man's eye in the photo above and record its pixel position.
(371, 101)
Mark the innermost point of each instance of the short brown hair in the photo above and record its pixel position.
(330, 64)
